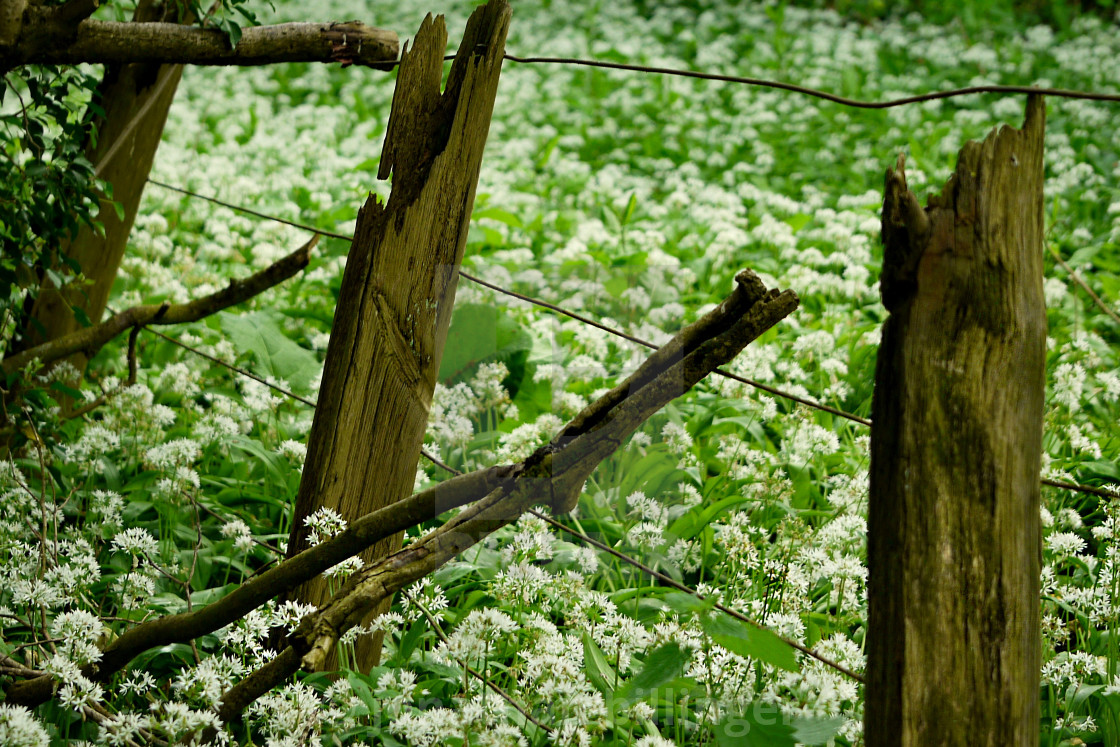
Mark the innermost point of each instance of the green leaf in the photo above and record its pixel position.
(480, 334)
(631, 206)
(599, 670)
(799, 221)
(661, 667)
(747, 640)
(683, 603)
(234, 30)
(279, 357)
(497, 214)
(763, 725)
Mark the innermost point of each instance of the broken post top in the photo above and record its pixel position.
(420, 107)
(925, 249)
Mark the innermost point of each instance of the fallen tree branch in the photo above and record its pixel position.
(46, 38)
(364, 532)
(90, 339)
(554, 474)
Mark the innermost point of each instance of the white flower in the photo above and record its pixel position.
(324, 524)
(1069, 384)
(293, 450)
(242, 536)
(78, 630)
(136, 541)
(676, 437)
(1065, 543)
(19, 728)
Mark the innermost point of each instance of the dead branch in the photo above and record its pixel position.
(554, 474)
(90, 339)
(49, 36)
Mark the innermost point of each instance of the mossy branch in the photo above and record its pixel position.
(53, 36)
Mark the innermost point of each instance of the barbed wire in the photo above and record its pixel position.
(566, 312)
(448, 468)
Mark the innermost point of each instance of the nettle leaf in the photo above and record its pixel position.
(755, 643)
(259, 332)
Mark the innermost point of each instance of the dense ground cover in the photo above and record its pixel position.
(633, 199)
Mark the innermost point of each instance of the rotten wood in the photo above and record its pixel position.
(398, 288)
(953, 532)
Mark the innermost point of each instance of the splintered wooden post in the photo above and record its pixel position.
(399, 286)
(953, 532)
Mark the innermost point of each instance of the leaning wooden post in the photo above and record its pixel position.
(953, 533)
(399, 286)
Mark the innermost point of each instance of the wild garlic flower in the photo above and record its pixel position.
(20, 728)
(323, 524)
(240, 533)
(136, 541)
(522, 585)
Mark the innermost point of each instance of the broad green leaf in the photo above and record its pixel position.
(763, 725)
(662, 666)
(747, 640)
(799, 221)
(683, 603)
(480, 334)
(279, 357)
(497, 214)
(599, 670)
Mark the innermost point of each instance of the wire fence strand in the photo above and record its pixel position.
(536, 302)
(1102, 492)
(816, 93)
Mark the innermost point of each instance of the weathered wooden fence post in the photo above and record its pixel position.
(953, 535)
(399, 286)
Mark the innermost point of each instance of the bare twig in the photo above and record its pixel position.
(106, 396)
(478, 675)
(90, 339)
(1084, 286)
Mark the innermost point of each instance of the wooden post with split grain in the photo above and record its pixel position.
(953, 532)
(394, 309)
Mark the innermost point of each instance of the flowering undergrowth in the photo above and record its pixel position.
(633, 199)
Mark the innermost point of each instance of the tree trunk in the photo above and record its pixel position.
(136, 99)
(398, 289)
(953, 533)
